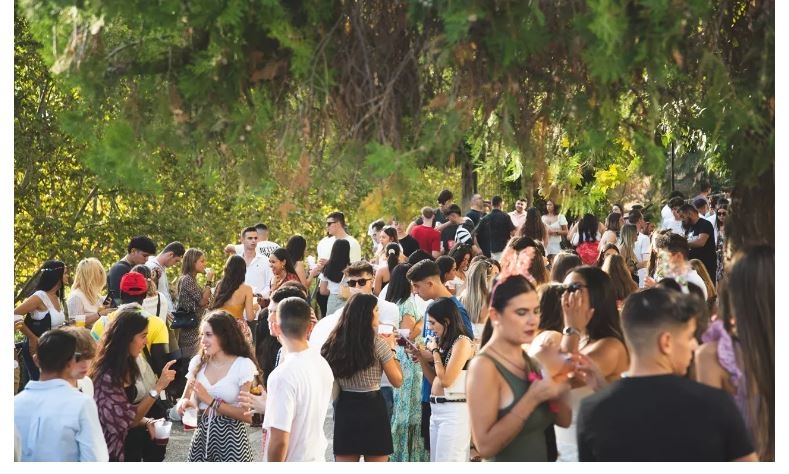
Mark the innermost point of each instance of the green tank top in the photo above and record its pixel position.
(529, 444)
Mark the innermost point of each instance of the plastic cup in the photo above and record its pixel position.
(385, 329)
(80, 320)
(189, 419)
(404, 332)
(162, 432)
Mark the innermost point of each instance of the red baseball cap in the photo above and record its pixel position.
(134, 284)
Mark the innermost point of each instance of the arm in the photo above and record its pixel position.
(235, 412)
(249, 310)
(461, 352)
(76, 307)
(230, 249)
(278, 441)
(379, 280)
(301, 274)
(31, 303)
(708, 370)
(699, 242)
(324, 287)
(392, 367)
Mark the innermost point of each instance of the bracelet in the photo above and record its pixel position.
(394, 351)
(435, 350)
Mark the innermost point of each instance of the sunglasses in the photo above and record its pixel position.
(78, 357)
(571, 288)
(360, 281)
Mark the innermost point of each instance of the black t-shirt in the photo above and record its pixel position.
(661, 418)
(707, 253)
(449, 233)
(475, 216)
(498, 227)
(409, 244)
(114, 281)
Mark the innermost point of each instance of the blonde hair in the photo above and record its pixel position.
(90, 278)
(475, 297)
(701, 269)
(626, 243)
(621, 281)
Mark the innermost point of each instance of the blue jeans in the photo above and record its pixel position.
(388, 393)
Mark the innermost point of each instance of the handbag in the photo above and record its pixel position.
(184, 320)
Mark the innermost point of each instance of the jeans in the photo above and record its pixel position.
(388, 393)
(450, 432)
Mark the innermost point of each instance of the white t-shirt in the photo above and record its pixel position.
(85, 385)
(162, 284)
(78, 304)
(241, 371)
(666, 215)
(149, 305)
(299, 392)
(643, 250)
(264, 248)
(326, 243)
(320, 333)
(388, 313)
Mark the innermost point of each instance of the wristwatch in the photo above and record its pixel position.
(569, 331)
(153, 393)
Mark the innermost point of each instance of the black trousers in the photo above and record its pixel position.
(426, 423)
(140, 447)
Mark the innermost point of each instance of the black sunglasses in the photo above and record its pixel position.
(571, 288)
(360, 281)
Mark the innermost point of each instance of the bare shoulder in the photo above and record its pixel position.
(708, 351)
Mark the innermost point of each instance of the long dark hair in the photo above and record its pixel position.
(266, 346)
(392, 256)
(233, 276)
(48, 277)
(350, 348)
(563, 262)
(230, 337)
(533, 226)
(112, 354)
(551, 318)
(751, 294)
(283, 256)
(587, 229)
(339, 258)
(446, 313)
(296, 247)
(399, 289)
(605, 320)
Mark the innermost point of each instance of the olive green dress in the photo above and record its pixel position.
(529, 444)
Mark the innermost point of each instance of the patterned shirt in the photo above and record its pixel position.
(369, 379)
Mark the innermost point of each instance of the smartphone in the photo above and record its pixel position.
(107, 301)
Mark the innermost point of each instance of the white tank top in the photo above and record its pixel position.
(58, 316)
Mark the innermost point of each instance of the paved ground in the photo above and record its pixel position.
(178, 448)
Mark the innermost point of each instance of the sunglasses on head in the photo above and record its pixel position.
(360, 281)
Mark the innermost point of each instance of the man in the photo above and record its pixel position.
(701, 238)
(707, 213)
(642, 247)
(359, 278)
(425, 278)
(518, 216)
(137, 253)
(656, 413)
(459, 231)
(672, 252)
(298, 391)
(264, 246)
(665, 213)
(372, 231)
(259, 273)
(169, 257)
(336, 229)
(675, 221)
(705, 188)
(476, 209)
(495, 230)
(428, 238)
(55, 421)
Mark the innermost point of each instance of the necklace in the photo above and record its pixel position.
(506, 359)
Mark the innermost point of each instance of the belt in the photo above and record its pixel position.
(446, 400)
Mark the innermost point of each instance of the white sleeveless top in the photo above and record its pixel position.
(566, 439)
(58, 316)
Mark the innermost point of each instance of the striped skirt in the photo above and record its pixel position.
(219, 438)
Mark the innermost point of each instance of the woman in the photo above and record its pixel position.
(444, 362)
(537, 269)
(407, 411)
(557, 228)
(383, 273)
(86, 347)
(358, 357)
(191, 297)
(627, 249)
(751, 288)
(712, 294)
(387, 235)
(461, 253)
(45, 308)
(609, 249)
(475, 296)
(234, 296)
(85, 296)
(563, 262)
(332, 274)
(118, 382)
(621, 281)
(154, 302)
(612, 224)
(507, 397)
(587, 239)
(222, 369)
(297, 247)
(592, 329)
(533, 226)
(721, 215)
(281, 264)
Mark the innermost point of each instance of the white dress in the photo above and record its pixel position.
(566, 438)
(553, 246)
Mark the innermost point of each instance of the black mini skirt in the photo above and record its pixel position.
(361, 424)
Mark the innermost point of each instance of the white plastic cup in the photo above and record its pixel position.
(404, 332)
(189, 419)
(385, 329)
(311, 263)
(80, 320)
(162, 430)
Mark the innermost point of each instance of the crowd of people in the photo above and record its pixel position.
(489, 335)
